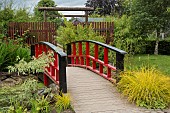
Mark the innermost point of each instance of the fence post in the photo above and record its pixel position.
(62, 74)
(69, 53)
(32, 50)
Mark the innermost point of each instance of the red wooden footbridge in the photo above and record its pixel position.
(86, 72)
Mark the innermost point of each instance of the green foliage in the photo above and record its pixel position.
(21, 15)
(34, 66)
(18, 97)
(40, 105)
(70, 33)
(125, 37)
(150, 15)
(63, 102)
(9, 52)
(146, 87)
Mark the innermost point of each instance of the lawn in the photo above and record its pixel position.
(160, 62)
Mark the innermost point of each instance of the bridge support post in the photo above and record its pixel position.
(32, 50)
(62, 74)
(119, 64)
(69, 53)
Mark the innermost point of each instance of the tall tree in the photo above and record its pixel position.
(149, 16)
(105, 7)
(39, 14)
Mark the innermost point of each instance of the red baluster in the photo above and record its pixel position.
(108, 72)
(36, 50)
(105, 56)
(45, 80)
(87, 54)
(80, 54)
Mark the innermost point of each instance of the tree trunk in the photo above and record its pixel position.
(157, 42)
(156, 47)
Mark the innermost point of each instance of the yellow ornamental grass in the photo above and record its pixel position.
(146, 87)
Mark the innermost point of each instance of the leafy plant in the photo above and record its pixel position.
(63, 102)
(40, 105)
(19, 96)
(34, 66)
(146, 87)
(70, 33)
(19, 109)
(9, 52)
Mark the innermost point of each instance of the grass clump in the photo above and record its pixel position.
(62, 102)
(147, 87)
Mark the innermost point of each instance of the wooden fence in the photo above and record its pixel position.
(105, 29)
(46, 31)
(34, 31)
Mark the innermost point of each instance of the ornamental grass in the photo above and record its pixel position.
(147, 87)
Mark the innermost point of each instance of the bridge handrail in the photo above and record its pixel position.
(57, 70)
(82, 60)
(103, 45)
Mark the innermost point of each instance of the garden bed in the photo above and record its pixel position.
(25, 94)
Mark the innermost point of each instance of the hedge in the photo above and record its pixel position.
(163, 47)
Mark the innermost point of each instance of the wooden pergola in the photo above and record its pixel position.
(86, 9)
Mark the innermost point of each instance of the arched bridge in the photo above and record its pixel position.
(86, 72)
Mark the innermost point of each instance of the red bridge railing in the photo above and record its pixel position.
(57, 69)
(85, 53)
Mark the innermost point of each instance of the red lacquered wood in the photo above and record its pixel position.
(96, 51)
(40, 49)
(56, 60)
(80, 54)
(109, 72)
(101, 68)
(74, 53)
(45, 80)
(45, 49)
(105, 56)
(87, 54)
(36, 51)
(94, 64)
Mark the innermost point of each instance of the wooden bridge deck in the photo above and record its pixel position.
(91, 93)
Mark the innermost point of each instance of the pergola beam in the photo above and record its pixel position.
(65, 8)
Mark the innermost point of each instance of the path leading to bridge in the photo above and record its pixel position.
(91, 93)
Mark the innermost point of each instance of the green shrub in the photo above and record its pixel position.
(40, 105)
(70, 33)
(146, 87)
(9, 52)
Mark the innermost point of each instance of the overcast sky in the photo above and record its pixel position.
(74, 3)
